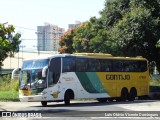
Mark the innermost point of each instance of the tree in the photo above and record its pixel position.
(9, 43)
(125, 28)
(91, 37)
(114, 11)
(137, 33)
(82, 37)
(66, 42)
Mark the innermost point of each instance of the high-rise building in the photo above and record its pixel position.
(48, 37)
(73, 26)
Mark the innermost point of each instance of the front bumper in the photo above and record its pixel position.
(35, 98)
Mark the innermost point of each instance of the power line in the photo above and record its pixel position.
(26, 28)
(39, 39)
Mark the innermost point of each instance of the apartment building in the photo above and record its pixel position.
(73, 26)
(48, 37)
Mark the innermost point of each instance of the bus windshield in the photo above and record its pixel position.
(32, 79)
(31, 74)
(35, 64)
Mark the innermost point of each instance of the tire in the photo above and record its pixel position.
(102, 100)
(110, 99)
(44, 103)
(67, 98)
(132, 94)
(124, 95)
(145, 97)
(118, 99)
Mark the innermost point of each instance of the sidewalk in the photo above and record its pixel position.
(1, 107)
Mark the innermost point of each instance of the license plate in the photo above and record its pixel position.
(30, 98)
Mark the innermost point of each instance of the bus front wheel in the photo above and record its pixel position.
(44, 103)
(67, 98)
(69, 94)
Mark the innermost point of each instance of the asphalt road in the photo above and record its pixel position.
(91, 109)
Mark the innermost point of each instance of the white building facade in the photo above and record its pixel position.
(48, 37)
(73, 26)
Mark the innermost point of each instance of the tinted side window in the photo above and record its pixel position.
(143, 66)
(55, 65)
(129, 66)
(93, 65)
(54, 71)
(118, 66)
(135, 66)
(105, 65)
(81, 64)
(68, 64)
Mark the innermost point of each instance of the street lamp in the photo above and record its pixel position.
(37, 48)
(22, 46)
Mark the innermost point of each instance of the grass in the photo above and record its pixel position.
(9, 96)
(8, 89)
(155, 81)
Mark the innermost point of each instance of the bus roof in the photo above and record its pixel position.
(94, 54)
(108, 56)
(47, 56)
(89, 55)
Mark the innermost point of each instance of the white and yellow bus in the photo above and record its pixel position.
(63, 77)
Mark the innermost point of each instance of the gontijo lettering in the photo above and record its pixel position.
(117, 77)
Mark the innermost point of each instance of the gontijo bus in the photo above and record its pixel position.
(63, 77)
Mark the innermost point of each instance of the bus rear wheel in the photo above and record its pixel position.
(124, 94)
(132, 94)
(44, 103)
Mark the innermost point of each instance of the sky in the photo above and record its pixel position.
(26, 15)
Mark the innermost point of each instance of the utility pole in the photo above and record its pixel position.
(18, 59)
(37, 49)
(22, 46)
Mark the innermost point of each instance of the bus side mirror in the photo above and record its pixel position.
(44, 71)
(14, 71)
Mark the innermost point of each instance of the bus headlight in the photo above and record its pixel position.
(43, 93)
